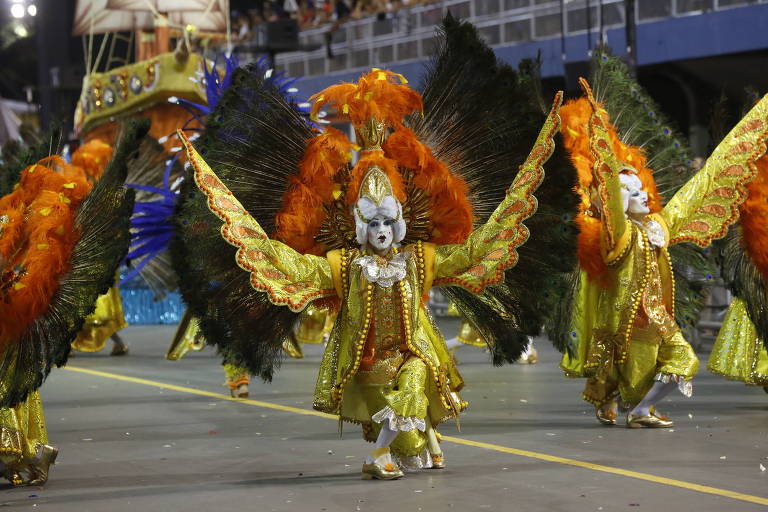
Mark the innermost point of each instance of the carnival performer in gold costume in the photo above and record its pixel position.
(385, 366)
(628, 344)
(370, 240)
(61, 240)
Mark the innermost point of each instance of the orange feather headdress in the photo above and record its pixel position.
(575, 116)
(376, 106)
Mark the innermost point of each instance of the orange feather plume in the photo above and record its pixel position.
(92, 157)
(575, 116)
(42, 235)
(451, 212)
(378, 94)
(302, 213)
(754, 218)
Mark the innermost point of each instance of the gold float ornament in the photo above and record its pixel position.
(129, 89)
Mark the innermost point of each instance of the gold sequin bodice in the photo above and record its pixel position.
(382, 353)
(653, 306)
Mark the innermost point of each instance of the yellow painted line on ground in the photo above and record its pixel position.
(456, 440)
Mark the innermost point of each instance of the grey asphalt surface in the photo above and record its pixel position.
(130, 446)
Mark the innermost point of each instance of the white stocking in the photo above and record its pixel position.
(654, 395)
(432, 443)
(453, 343)
(386, 436)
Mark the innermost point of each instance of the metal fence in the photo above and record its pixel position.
(407, 35)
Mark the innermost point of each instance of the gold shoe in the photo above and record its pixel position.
(650, 421)
(240, 392)
(605, 417)
(14, 478)
(386, 472)
(39, 469)
(438, 462)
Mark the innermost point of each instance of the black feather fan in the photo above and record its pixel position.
(103, 221)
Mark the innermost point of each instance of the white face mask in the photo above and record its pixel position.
(635, 199)
(380, 233)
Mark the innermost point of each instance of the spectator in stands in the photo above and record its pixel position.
(241, 26)
(307, 13)
(341, 13)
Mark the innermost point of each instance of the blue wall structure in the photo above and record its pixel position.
(141, 308)
(734, 30)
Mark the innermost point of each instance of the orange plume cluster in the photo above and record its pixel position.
(92, 157)
(754, 218)
(451, 212)
(575, 116)
(378, 94)
(40, 238)
(302, 211)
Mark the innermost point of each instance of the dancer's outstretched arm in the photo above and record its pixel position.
(704, 208)
(286, 276)
(492, 248)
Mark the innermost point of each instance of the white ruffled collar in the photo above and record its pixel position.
(654, 231)
(384, 271)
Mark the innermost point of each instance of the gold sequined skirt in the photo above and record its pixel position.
(107, 319)
(407, 397)
(648, 355)
(738, 354)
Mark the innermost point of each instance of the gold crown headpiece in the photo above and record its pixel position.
(375, 187)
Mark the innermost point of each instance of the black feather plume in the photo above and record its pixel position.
(254, 140)
(481, 118)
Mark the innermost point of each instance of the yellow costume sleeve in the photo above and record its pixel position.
(704, 208)
(492, 248)
(616, 231)
(288, 277)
